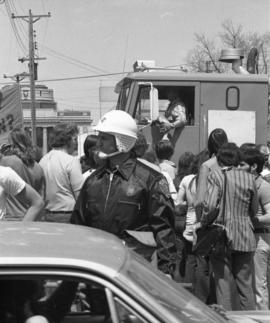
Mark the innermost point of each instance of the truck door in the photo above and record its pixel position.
(188, 140)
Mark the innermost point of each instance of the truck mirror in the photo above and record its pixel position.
(153, 111)
(154, 106)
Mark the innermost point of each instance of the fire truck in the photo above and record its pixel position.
(235, 102)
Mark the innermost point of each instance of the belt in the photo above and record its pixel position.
(262, 230)
(58, 212)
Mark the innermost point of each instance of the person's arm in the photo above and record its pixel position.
(15, 186)
(180, 117)
(31, 196)
(254, 203)
(76, 177)
(211, 201)
(265, 218)
(171, 187)
(80, 214)
(201, 190)
(162, 223)
(181, 195)
(181, 205)
(264, 199)
(43, 188)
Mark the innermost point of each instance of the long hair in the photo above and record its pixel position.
(21, 145)
(88, 148)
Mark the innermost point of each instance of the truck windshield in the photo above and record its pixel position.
(122, 88)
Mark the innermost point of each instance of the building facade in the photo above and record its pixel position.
(47, 115)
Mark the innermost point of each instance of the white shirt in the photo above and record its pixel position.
(87, 173)
(187, 194)
(169, 167)
(63, 176)
(10, 184)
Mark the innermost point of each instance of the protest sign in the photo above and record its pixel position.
(11, 114)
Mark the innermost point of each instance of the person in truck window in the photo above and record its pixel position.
(126, 197)
(175, 114)
(170, 125)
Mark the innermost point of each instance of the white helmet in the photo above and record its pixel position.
(37, 319)
(122, 126)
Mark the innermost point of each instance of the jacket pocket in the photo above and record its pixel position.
(131, 204)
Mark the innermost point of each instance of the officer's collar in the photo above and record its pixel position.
(125, 169)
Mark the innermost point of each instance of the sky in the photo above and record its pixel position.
(97, 37)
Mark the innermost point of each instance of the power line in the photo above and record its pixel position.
(73, 61)
(81, 77)
(14, 28)
(19, 22)
(76, 77)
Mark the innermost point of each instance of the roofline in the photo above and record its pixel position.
(59, 263)
(197, 77)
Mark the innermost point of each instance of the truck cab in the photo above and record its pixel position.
(237, 103)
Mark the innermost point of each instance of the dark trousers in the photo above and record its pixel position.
(197, 272)
(234, 267)
(61, 217)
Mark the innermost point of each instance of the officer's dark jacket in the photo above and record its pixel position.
(132, 197)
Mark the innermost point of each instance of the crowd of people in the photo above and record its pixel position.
(134, 190)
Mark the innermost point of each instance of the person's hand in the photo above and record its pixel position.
(165, 127)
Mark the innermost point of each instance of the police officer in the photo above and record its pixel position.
(127, 197)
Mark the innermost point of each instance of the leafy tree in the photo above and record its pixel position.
(204, 57)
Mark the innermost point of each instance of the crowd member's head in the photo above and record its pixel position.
(141, 145)
(84, 164)
(184, 162)
(89, 147)
(164, 150)
(150, 156)
(65, 136)
(172, 95)
(117, 134)
(264, 149)
(21, 145)
(252, 160)
(197, 161)
(183, 167)
(216, 139)
(228, 155)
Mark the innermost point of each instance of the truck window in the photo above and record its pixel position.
(185, 93)
(122, 88)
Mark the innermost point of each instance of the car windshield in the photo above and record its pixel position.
(169, 294)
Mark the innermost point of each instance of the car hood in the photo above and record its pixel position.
(249, 316)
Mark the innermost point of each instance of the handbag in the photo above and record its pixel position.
(211, 238)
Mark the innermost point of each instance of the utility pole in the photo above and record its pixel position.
(31, 19)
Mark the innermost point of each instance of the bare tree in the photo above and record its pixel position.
(232, 36)
(208, 48)
(208, 51)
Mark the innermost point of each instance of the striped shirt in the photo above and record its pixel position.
(241, 205)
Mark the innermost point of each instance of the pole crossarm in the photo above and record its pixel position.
(33, 16)
(23, 59)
